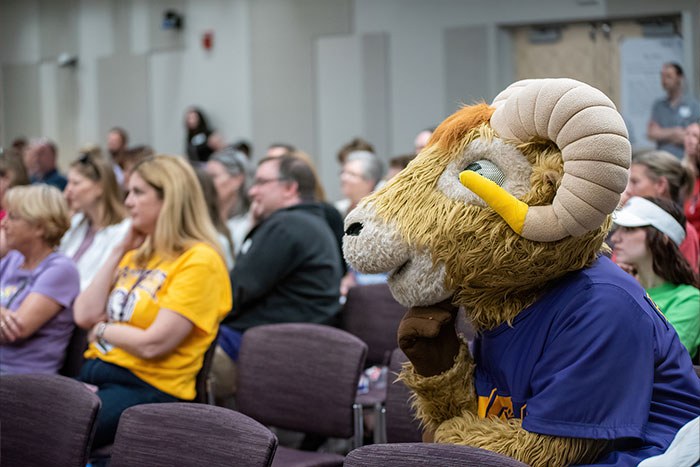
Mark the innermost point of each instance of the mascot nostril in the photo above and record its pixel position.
(354, 229)
(571, 363)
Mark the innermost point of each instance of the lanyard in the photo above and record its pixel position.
(142, 275)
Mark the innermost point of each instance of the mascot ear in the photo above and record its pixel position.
(592, 137)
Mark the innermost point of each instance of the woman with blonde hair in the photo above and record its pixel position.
(99, 221)
(154, 307)
(37, 284)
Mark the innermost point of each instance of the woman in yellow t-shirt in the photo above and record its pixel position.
(154, 307)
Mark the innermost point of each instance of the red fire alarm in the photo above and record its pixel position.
(208, 40)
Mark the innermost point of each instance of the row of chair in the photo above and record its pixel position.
(304, 377)
(294, 376)
(37, 431)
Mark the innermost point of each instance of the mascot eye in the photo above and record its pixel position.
(488, 170)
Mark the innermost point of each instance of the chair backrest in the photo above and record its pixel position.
(75, 353)
(697, 370)
(401, 424)
(372, 314)
(420, 454)
(181, 433)
(202, 381)
(301, 377)
(46, 420)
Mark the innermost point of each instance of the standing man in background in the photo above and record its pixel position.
(671, 115)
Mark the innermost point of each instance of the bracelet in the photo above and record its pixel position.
(100, 333)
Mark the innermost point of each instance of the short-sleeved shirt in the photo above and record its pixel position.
(681, 305)
(196, 286)
(667, 116)
(56, 277)
(592, 358)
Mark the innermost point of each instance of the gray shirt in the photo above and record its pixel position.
(663, 113)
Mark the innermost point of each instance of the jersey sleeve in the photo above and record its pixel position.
(594, 378)
(199, 289)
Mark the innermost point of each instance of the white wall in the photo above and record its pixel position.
(78, 105)
(260, 80)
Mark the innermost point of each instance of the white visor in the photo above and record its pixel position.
(638, 212)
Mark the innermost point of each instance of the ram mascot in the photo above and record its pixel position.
(505, 213)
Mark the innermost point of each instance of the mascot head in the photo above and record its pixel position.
(503, 200)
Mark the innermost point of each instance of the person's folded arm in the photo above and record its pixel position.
(35, 311)
(671, 134)
(161, 337)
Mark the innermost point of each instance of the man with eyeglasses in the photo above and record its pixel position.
(289, 267)
(40, 161)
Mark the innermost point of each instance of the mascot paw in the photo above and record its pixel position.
(428, 338)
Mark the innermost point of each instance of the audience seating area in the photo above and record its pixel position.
(302, 377)
(50, 419)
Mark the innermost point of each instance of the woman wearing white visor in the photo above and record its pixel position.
(646, 245)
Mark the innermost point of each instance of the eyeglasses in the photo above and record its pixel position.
(265, 181)
(352, 174)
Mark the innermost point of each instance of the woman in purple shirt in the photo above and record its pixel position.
(37, 284)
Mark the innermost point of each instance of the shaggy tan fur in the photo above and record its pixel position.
(455, 386)
(509, 438)
(493, 287)
(496, 274)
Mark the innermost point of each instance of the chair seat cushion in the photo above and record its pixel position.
(286, 457)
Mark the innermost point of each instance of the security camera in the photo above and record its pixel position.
(67, 60)
(172, 20)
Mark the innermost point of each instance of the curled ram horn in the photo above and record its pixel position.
(585, 125)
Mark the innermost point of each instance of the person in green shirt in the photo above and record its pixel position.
(646, 245)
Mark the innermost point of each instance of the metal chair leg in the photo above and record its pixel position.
(358, 424)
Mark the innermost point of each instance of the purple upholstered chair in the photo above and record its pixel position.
(372, 314)
(203, 387)
(422, 454)
(301, 377)
(46, 420)
(180, 433)
(398, 417)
